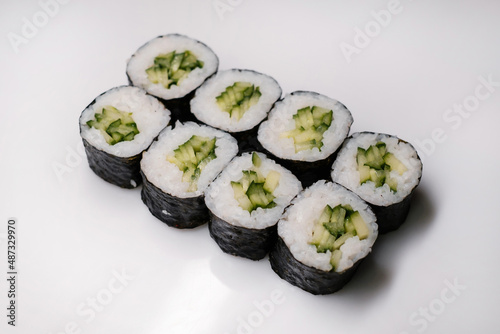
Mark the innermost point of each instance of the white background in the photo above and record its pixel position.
(77, 234)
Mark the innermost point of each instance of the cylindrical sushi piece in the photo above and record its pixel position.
(236, 101)
(322, 238)
(171, 67)
(178, 168)
(116, 128)
(383, 170)
(245, 203)
(303, 133)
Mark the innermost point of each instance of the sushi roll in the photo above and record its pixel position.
(171, 67)
(322, 238)
(236, 101)
(116, 128)
(303, 133)
(178, 168)
(383, 170)
(245, 203)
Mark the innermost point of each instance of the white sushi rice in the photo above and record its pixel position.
(220, 200)
(280, 120)
(144, 57)
(167, 176)
(148, 113)
(345, 168)
(205, 108)
(296, 226)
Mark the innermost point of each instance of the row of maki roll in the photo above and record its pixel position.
(253, 202)
(178, 168)
(245, 203)
(116, 128)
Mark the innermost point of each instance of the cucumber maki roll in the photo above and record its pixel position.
(383, 170)
(322, 238)
(116, 128)
(303, 132)
(236, 101)
(246, 201)
(178, 168)
(171, 67)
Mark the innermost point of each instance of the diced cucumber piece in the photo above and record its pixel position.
(325, 215)
(257, 195)
(238, 98)
(394, 163)
(335, 259)
(241, 197)
(115, 125)
(364, 174)
(171, 68)
(256, 160)
(192, 157)
(362, 229)
(374, 158)
(272, 181)
(242, 85)
(327, 242)
(310, 124)
(164, 60)
(392, 183)
(317, 234)
(381, 147)
(337, 220)
(378, 177)
(341, 240)
(349, 227)
(322, 239)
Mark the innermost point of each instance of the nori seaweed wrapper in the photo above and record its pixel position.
(174, 211)
(247, 140)
(181, 109)
(307, 172)
(249, 243)
(122, 172)
(391, 217)
(315, 281)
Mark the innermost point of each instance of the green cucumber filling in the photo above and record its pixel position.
(254, 190)
(171, 68)
(115, 125)
(191, 157)
(238, 98)
(310, 124)
(334, 227)
(375, 164)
